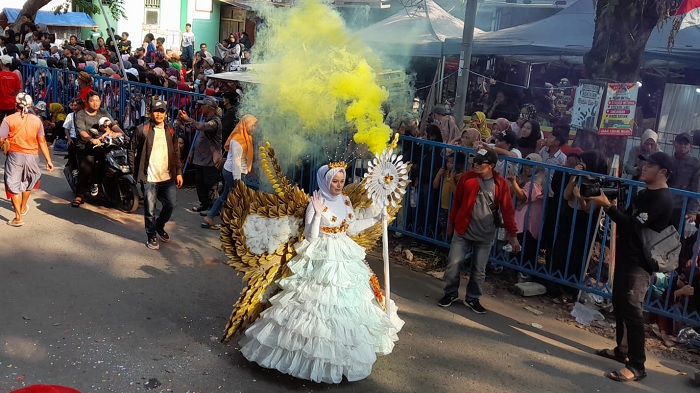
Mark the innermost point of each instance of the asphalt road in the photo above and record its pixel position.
(84, 303)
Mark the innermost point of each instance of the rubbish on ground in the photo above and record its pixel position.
(530, 289)
(409, 254)
(585, 315)
(533, 310)
(536, 325)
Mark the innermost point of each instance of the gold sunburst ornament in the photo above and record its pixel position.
(385, 181)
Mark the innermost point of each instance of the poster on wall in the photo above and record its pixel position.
(585, 114)
(619, 109)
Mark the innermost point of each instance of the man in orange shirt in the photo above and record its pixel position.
(25, 133)
(10, 85)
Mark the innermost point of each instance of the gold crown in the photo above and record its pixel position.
(339, 164)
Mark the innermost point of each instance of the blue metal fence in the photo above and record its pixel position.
(566, 233)
(128, 102)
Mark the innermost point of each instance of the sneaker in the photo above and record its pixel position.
(198, 209)
(94, 190)
(447, 300)
(164, 237)
(475, 306)
(152, 243)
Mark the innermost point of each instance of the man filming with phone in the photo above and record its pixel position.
(651, 208)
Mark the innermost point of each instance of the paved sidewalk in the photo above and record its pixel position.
(84, 303)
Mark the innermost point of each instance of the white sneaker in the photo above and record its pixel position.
(94, 190)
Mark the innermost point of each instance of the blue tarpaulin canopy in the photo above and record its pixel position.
(78, 19)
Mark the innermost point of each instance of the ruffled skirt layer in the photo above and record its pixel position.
(326, 322)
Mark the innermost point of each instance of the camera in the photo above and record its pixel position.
(593, 186)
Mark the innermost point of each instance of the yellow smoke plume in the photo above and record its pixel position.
(318, 80)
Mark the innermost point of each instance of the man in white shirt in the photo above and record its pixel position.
(551, 153)
(187, 54)
(154, 157)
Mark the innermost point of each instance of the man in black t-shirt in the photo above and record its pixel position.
(650, 208)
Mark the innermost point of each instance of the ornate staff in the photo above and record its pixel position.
(385, 181)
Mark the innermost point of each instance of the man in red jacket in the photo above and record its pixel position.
(481, 196)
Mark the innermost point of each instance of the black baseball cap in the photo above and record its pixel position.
(484, 154)
(663, 160)
(684, 138)
(508, 136)
(158, 105)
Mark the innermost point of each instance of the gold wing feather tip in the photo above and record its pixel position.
(260, 272)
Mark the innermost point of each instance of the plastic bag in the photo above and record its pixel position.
(687, 334)
(585, 315)
(689, 229)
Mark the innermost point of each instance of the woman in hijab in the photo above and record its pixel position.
(501, 124)
(633, 166)
(58, 116)
(530, 135)
(479, 122)
(326, 323)
(239, 161)
(527, 112)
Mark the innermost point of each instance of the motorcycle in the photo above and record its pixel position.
(118, 185)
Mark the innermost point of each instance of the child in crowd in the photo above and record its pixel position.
(446, 179)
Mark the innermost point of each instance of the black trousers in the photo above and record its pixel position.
(630, 286)
(90, 171)
(206, 178)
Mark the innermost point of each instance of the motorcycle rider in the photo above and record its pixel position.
(92, 124)
(155, 157)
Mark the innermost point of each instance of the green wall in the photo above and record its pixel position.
(100, 20)
(207, 31)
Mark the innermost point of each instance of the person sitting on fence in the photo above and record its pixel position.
(650, 208)
(446, 180)
(481, 203)
(648, 145)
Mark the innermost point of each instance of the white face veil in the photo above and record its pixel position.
(324, 176)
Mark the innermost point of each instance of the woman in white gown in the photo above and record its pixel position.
(326, 322)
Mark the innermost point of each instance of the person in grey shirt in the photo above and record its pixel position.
(685, 175)
(207, 150)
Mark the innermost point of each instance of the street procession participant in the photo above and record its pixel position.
(24, 133)
(325, 324)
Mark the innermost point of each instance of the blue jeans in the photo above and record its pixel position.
(163, 192)
(228, 185)
(188, 55)
(459, 247)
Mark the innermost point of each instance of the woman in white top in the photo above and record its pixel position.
(239, 161)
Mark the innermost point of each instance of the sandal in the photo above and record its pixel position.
(606, 354)
(76, 202)
(15, 223)
(616, 376)
(206, 225)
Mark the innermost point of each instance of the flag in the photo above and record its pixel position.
(691, 19)
(687, 6)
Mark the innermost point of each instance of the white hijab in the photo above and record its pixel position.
(324, 177)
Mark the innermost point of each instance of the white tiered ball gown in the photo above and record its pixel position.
(326, 322)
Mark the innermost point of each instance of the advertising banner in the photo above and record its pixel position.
(585, 114)
(619, 109)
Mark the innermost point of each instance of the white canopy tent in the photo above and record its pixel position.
(570, 33)
(423, 31)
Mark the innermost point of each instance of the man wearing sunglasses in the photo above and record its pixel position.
(482, 197)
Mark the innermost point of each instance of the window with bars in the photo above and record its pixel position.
(152, 3)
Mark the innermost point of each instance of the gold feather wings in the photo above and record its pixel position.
(261, 270)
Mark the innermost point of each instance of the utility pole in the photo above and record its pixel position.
(465, 60)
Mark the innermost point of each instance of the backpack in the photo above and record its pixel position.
(661, 249)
